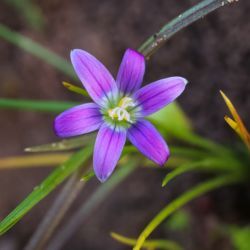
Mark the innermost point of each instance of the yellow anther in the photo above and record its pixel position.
(126, 102)
(120, 112)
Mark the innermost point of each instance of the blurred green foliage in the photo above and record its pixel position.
(30, 12)
(179, 221)
(37, 50)
(173, 120)
(240, 237)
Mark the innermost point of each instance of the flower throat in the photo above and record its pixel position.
(120, 112)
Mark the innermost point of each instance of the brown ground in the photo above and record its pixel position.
(213, 54)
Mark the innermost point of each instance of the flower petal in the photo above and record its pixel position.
(131, 72)
(108, 148)
(147, 139)
(78, 120)
(158, 94)
(94, 76)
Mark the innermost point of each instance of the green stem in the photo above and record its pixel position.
(181, 201)
(193, 14)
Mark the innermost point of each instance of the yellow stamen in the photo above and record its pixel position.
(120, 112)
(126, 102)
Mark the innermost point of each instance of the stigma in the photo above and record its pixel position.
(120, 112)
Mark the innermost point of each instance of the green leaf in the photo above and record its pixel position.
(41, 191)
(189, 152)
(33, 105)
(63, 145)
(88, 175)
(211, 164)
(186, 167)
(183, 199)
(172, 120)
(240, 237)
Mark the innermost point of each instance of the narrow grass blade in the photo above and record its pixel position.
(183, 199)
(34, 105)
(179, 171)
(88, 175)
(63, 145)
(27, 161)
(211, 164)
(41, 191)
(150, 244)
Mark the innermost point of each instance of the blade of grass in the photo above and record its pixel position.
(35, 105)
(26, 161)
(204, 143)
(200, 10)
(63, 145)
(150, 244)
(210, 164)
(188, 152)
(41, 191)
(183, 199)
(180, 170)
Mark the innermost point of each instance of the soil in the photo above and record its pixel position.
(212, 54)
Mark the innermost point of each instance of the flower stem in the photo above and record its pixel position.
(193, 14)
(56, 212)
(181, 201)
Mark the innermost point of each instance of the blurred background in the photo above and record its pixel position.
(212, 54)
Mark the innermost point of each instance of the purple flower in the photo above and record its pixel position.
(118, 109)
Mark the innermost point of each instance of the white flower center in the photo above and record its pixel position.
(120, 112)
